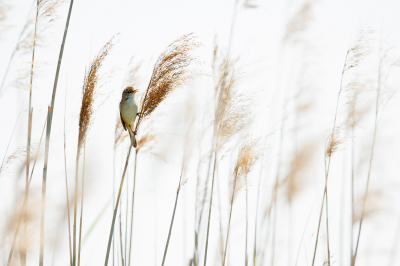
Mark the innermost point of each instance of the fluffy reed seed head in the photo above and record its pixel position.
(90, 84)
(232, 111)
(169, 73)
(249, 153)
(333, 143)
(18, 154)
(360, 50)
(48, 8)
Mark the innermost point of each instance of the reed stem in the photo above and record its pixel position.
(116, 206)
(46, 157)
(173, 217)
(132, 208)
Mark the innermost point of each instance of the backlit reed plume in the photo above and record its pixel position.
(89, 93)
(170, 72)
(249, 153)
(231, 116)
(384, 70)
(354, 56)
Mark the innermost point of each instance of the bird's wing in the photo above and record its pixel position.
(120, 115)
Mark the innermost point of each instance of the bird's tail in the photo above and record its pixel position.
(133, 138)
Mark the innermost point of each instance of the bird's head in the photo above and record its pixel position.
(129, 90)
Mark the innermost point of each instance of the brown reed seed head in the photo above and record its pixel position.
(169, 73)
(249, 153)
(89, 86)
(334, 141)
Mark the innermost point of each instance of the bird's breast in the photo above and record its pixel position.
(128, 109)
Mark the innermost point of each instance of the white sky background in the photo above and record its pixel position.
(145, 28)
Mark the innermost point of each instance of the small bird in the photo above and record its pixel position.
(128, 112)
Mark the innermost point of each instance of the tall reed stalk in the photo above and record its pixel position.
(132, 207)
(249, 153)
(185, 156)
(89, 93)
(378, 94)
(66, 182)
(50, 117)
(230, 118)
(330, 149)
(29, 134)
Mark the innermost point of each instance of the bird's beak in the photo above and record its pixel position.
(134, 91)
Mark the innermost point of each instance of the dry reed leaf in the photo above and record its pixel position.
(170, 72)
(333, 143)
(89, 92)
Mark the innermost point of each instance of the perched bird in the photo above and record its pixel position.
(128, 112)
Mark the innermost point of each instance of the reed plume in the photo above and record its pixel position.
(89, 93)
(169, 73)
(354, 56)
(230, 117)
(249, 153)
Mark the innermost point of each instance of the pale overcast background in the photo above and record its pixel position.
(272, 71)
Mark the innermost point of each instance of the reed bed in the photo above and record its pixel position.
(252, 145)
